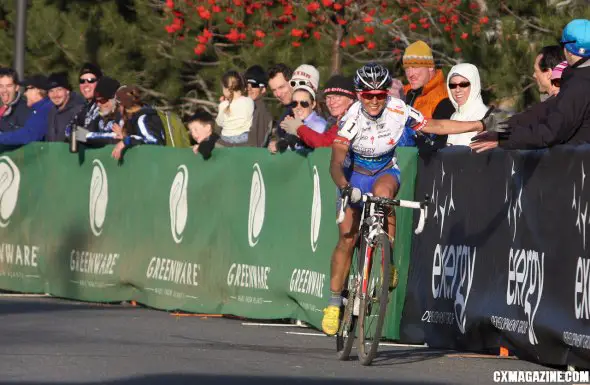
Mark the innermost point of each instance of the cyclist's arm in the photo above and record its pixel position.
(339, 151)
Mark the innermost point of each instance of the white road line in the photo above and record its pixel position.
(307, 334)
(267, 324)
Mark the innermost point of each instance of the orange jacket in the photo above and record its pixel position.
(432, 93)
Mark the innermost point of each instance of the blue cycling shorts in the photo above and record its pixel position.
(365, 182)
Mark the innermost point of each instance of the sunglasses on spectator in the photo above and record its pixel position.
(556, 82)
(369, 95)
(563, 43)
(462, 85)
(102, 100)
(302, 103)
(89, 81)
(295, 83)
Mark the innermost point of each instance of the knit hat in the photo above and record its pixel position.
(36, 81)
(556, 72)
(128, 96)
(418, 54)
(256, 76)
(306, 74)
(106, 88)
(340, 85)
(59, 79)
(89, 68)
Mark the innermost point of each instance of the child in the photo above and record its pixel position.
(201, 127)
(235, 111)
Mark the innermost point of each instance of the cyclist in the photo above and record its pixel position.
(369, 133)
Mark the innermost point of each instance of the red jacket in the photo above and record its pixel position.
(314, 139)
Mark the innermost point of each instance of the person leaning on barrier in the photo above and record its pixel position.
(88, 78)
(200, 125)
(13, 106)
(256, 81)
(567, 117)
(35, 127)
(66, 105)
(339, 95)
(142, 124)
(106, 127)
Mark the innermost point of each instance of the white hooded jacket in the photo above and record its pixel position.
(473, 109)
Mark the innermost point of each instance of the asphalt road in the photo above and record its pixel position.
(50, 341)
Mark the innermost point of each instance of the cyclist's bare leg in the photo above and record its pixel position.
(386, 186)
(342, 255)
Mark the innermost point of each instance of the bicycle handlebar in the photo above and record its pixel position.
(422, 206)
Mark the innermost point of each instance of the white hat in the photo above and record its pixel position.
(307, 74)
(306, 88)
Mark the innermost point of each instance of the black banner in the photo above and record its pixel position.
(504, 259)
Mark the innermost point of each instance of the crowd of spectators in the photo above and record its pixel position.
(103, 111)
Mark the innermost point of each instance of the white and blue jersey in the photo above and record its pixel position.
(373, 140)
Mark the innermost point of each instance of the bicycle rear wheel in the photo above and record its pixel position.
(373, 307)
(348, 321)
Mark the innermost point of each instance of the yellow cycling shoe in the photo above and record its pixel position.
(331, 320)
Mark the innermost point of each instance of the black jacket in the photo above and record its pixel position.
(58, 120)
(563, 119)
(16, 115)
(145, 127)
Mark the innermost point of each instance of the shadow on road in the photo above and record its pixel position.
(166, 379)
(50, 304)
(407, 356)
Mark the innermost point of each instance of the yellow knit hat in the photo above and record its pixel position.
(418, 54)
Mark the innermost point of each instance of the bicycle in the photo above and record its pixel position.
(366, 292)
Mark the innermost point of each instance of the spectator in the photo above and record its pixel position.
(256, 81)
(549, 57)
(107, 127)
(200, 125)
(304, 77)
(235, 112)
(303, 106)
(35, 127)
(278, 81)
(13, 111)
(556, 76)
(66, 106)
(88, 79)
(566, 119)
(464, 88)
(339, 94)
(142, 124)
(426, 91)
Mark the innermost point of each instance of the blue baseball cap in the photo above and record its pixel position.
(576, 37)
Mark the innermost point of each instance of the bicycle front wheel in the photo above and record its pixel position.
(345, 335)
(373, 306)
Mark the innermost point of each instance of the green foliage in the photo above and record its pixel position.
(129, 40)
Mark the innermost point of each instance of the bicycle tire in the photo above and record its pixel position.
(379, 294)
(346, 331)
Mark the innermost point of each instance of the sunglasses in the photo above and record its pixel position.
(302, 103)
(556, 82)
(462, 85)
(369, 95)
(563, 43)
(102, 100)
(295, 83)
(89, 81)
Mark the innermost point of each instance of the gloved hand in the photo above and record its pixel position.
(290, 125)
(81, 134)
(353, 193)
(491, 122)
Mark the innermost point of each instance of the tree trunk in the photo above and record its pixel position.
(336, 52)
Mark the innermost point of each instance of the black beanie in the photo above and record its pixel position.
(340, 85)
(106, 88)
(89, 68)
(256, 76)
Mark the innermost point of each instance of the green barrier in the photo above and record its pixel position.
(245, 233)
